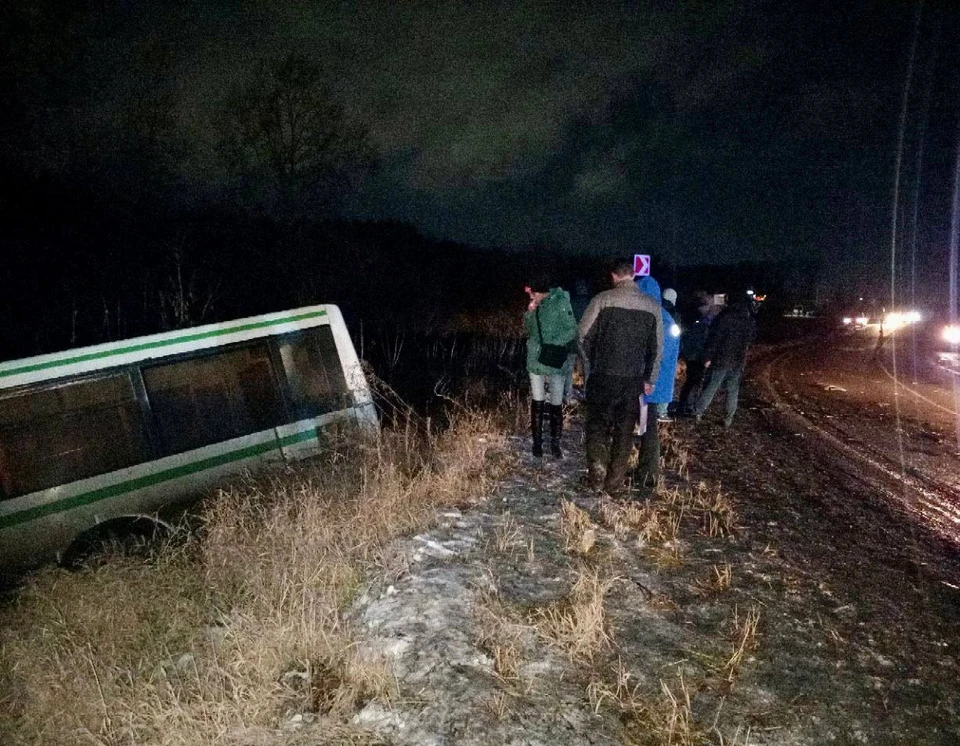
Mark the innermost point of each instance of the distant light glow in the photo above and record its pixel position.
(847, 320)
(749, 292)
(951, 334)
(896, 319)
(863, 320)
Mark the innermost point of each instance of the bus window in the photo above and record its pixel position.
(213, 398)
(68, 432)
(314, 373)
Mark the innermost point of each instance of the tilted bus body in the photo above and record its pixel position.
(122, 430)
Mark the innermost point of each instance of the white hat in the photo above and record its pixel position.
(670, 296)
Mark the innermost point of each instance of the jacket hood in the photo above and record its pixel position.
(649, 286)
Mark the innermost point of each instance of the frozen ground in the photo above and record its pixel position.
(856, 610)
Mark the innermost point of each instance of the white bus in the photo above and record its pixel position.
(115, 432)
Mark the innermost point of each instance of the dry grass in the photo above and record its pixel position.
(577, 624)
(673, 712)
(514, 413)
(675, 456)
(655, 522)
(506, 534)
(724, 666)
(721, 577)
(666, 716)
(502, 634)
(659, 521)
(662, 719)
(499, 705)
(578, 532)
(242, 627)
(744, 640)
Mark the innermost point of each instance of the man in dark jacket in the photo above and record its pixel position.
(621, 338)
(693, 345)
(579, 300)
(725, 356)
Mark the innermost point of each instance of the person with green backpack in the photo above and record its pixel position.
(551, 334)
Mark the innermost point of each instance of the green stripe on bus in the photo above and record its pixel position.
(162, 343)
(150, 480)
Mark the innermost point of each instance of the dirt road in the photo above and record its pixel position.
(891, 416)
(855, 490)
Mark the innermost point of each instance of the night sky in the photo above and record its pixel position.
(706, 132)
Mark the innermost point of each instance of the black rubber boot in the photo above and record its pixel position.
(536, 427)
(556, 429)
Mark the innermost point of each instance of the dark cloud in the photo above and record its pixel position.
(714, 130)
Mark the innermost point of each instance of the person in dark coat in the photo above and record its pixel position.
(693, 345)
(579, 300)
(621, 338)
(670, 301)
(725, 356)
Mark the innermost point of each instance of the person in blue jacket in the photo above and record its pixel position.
(649, 461)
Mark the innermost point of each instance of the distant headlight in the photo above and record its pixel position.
(951, 334)
(913, 317)
(847, 320)
(674, 330)
(863, 320)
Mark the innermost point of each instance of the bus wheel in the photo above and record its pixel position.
(134, 536)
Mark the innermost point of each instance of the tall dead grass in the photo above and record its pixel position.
(577, 529)
(578, 622)
(240, 630)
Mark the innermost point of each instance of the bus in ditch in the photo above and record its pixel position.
(102, 435)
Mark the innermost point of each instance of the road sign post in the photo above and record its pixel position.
(641, 265)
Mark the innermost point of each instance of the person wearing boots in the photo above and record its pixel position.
(621, 336)
(726, 356)
(551, 330)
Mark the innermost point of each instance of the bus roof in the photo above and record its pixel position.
(82, 360)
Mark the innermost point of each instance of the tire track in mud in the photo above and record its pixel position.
(934, 503)
(902, 386)
(860, 599)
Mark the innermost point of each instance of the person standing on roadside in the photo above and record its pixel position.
(663, 394)
(578, 302)
(670, 304)
(670, 301)
(693, 345)
(648, 465)
(725, 356)
(551, 330)
(878, 348)
(621, 339)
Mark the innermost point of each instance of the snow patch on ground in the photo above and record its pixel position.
(449, 691)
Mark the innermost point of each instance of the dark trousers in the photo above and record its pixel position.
(613, 408)
(648, 462)
(691, 387)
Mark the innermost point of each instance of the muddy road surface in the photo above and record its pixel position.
(891, 415)
(850, 486)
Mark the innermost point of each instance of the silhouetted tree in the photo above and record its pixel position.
(287, 138)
